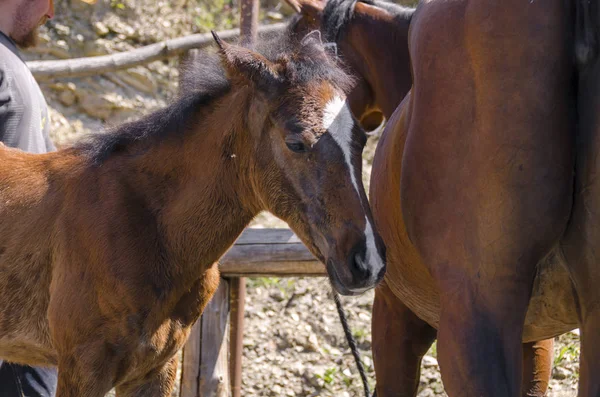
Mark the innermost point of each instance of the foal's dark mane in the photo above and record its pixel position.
(338, 13)
(203, 80)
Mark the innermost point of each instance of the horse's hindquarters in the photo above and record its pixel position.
(487, 171)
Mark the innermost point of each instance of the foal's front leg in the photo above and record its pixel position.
(159, 383)
(77, 379)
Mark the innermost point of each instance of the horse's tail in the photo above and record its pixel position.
(587, 31)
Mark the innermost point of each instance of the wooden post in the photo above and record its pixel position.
(237, 302)
(214, 353)
(249, 21)
(190, 366)
(248, 34)
(205, 367)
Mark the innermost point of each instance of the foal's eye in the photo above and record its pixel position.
(296, 147)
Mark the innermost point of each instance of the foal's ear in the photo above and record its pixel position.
(243, 63)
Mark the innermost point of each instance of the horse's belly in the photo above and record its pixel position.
(551, 309)
(410, 281)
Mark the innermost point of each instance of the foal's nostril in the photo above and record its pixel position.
(359, 267)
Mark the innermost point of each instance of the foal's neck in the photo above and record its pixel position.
(197, 184)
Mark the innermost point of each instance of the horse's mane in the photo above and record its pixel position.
(337, 14)
(587, 31)
(203, 80)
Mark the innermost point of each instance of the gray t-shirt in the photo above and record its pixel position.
(24, 121)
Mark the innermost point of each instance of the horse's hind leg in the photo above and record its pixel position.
(581, 243)
(537, 367)
(400, 340)
(158, 383)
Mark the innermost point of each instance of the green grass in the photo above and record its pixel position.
(264, 282)
(117, 4)
(217, 14)
(569, 353)
(285, 285)
(433, 350)
(359, 333)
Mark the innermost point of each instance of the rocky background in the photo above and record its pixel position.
(294, 344)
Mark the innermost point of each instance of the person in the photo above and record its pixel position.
(24, 124)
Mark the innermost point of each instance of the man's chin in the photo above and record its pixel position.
(29, 40)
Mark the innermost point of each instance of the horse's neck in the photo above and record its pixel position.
(198, 188)
(382, 45)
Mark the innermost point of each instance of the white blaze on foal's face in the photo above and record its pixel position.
(338, 122)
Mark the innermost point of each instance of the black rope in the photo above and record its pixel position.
(351, 342)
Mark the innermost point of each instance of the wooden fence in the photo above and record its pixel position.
(207, 368)
(91, 66)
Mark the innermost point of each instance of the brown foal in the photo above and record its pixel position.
(108, 249)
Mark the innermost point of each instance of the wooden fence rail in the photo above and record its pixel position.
(258, 252)
(89, 66)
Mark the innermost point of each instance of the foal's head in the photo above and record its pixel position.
(372, 38)
(305, 154)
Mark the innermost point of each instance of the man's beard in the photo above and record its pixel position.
(30, 39)
(24, 36)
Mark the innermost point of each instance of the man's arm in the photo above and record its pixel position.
(9, 111)
(5, 111)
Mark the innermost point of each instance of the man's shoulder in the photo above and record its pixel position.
(9, 60)
(13, 70)
(12, 66)
(6, 71)
(7, 46)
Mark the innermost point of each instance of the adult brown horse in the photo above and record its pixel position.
(107, 248)
(486, 185)
(372, 37)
